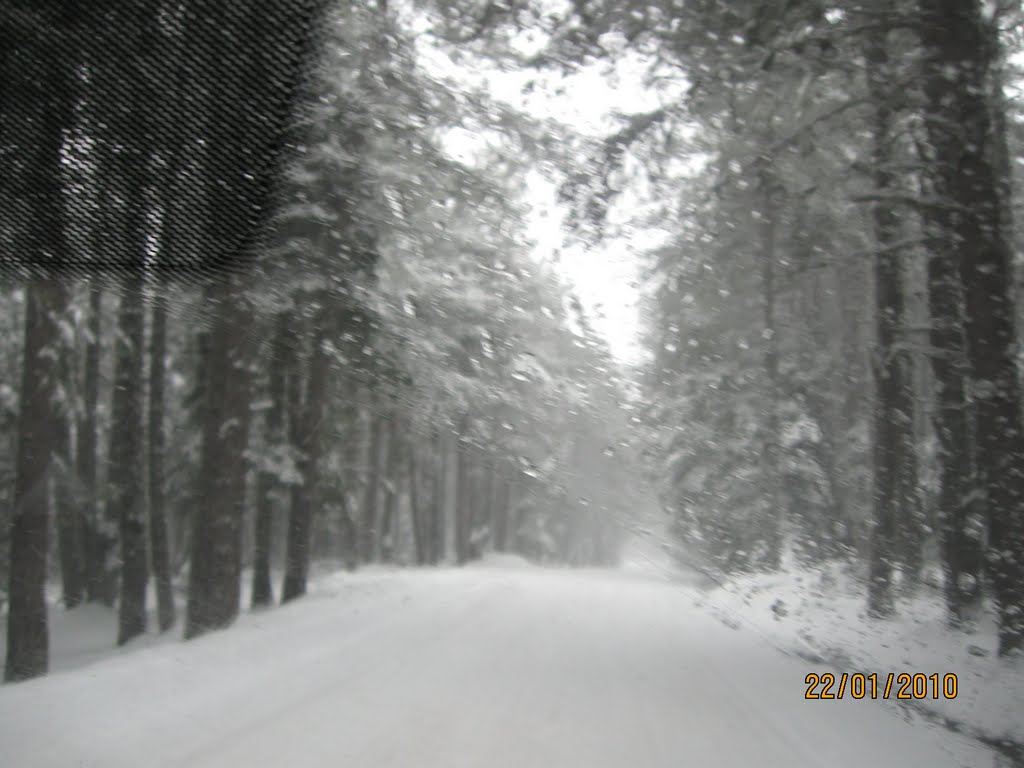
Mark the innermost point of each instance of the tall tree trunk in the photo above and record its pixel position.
(130, 58)
(307, 430)
(85, 458)
(185, 529)
(438, 532)
(69, 528)
(214, 588)
(126, 467)
(462, 492)
(484, 524)
(369, 532)
(236, 470)
(110, 237)
(893, 451)
(773, 514)
(961, 517)
(43, 88)
(960, 51)
(472, 506)
(297, 532)
(228, 184)
(27, 633)
(158, 539)
(420, 527)
(501, 537)
(389, 523)
(280, 361)
(1001, 154)
(960, 511)
(349, 552)
(351, 453)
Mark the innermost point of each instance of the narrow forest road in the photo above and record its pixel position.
(487, 667)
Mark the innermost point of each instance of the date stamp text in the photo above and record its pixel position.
(894, 685)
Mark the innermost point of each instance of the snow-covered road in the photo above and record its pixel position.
(487, 667)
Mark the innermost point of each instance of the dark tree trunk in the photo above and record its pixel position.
(297, 532)
(110, 236)
(85, 458)
(130, 58)
(27, 634)
(349, 478)
(501, 538)
(462, 500)
(519, 520)
(518, 513)
(420, 528)
(214, 588)
(484, 524)
(960, 512)
(126, 467)
(773, 514)
(894, 455)
(228, 181)
(369, 533)
(472, 506)
(388, 526)
(236, 442)
(185, 528)
(1001, 153)
(42, 84)
(349, 551)
(307, 442)
(960, 51)
(438, 529)
(69, 528)
(158, 539)
(267, 483)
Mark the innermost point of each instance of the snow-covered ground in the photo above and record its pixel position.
(497, 665)
(821, 614)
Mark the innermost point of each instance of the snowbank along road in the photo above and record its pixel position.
(488, 667)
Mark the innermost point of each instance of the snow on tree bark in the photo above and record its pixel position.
(278, 364)
(960, 511)
(125, 474)
(772, 501)
(86, 449)
(306, 418)
(70, 543)
(893, 418)
(960, 52)
(213, 591)
(156, 432)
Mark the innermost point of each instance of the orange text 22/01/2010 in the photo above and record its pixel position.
(903, 686)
